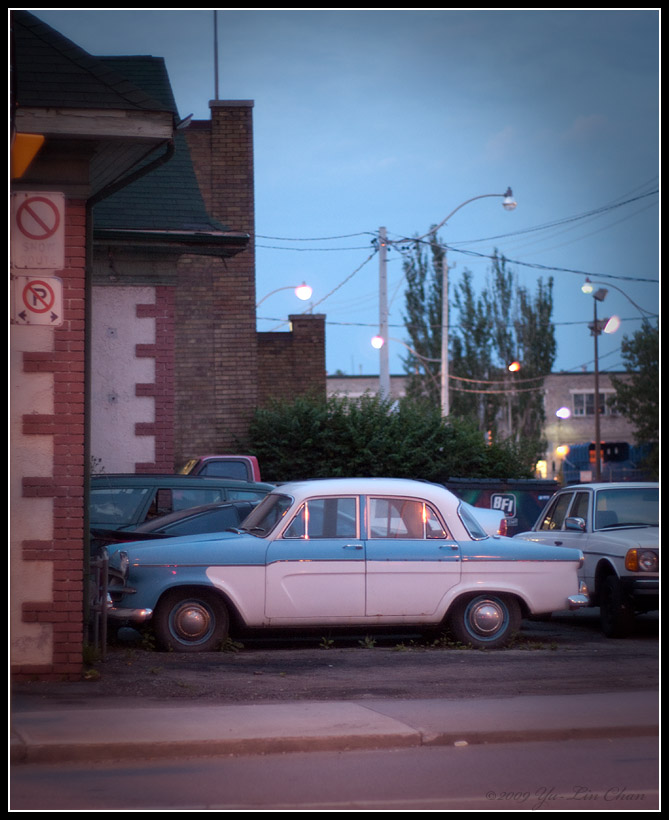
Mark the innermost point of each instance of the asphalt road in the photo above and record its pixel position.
(567, 654)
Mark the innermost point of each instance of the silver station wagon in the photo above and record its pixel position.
(343, 552)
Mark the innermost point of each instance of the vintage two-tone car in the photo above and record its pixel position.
(343, 552)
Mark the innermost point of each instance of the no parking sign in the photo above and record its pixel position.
(37, 300)
(38, 231)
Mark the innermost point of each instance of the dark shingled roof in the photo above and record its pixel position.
(50, 71)
(169, 197)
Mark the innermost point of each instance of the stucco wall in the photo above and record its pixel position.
(116, 370)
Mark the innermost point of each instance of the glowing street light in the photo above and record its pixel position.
(302, 292)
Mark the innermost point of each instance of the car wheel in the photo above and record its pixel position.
(616, 614)
(486, 621)
(191, 621)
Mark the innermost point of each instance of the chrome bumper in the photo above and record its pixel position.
(135, 616)
(581, 599)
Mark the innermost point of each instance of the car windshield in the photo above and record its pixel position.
(627, 507)
(267, 514)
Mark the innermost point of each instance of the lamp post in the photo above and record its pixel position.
(597, 327)
(509, 203)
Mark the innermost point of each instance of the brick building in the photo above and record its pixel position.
(152, 353)
(178, 367)
(77, 127)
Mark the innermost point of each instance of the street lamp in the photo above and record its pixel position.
(587, 287)
(598, 327)
(302, 292)
(509, 204)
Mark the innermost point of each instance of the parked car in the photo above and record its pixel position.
(243, 468)
(616, 527)
(125, 500)
(195, 520)
(343, 552)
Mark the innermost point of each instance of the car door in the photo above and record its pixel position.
(412, 559)
(567, 523)
(316, 565)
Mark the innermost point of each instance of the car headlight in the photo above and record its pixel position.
(639, 560)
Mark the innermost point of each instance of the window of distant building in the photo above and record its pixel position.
(583, 404)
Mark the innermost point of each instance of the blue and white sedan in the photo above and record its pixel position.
(343, 552)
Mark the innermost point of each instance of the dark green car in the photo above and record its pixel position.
(123, 501)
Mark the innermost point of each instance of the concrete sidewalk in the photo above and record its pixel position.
(63, 735)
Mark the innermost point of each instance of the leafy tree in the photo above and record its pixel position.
(504, 323)
(638, 396)
(423, 318)
(370, 436)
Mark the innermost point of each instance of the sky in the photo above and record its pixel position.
(396, 118)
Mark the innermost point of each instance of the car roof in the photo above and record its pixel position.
(170, 480)
(367, 486)
(613, 485)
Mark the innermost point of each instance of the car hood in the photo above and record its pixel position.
(629, 537)
(204, 548)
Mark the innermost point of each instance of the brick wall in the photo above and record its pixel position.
(224, 368)
(62, 548)
(215, 335)
(292, 363)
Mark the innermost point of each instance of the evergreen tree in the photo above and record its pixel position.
(638, 396)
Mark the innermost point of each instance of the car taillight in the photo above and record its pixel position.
(503, 527)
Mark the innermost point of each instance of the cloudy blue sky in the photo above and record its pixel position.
(370, 118)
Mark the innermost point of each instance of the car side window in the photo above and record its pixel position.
(579, 509)
(325, 518)
(404, 518)
(554, 518)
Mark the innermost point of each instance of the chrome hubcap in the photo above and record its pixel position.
(191, 621)
(486, 617)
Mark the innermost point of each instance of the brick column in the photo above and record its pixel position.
(51, 501)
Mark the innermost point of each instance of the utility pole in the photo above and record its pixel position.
(384, 371)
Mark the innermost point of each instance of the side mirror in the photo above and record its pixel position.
(574, 523)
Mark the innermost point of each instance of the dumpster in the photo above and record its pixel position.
(520, 500)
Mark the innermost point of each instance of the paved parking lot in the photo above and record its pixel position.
(567, 654)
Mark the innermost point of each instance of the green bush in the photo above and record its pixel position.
(310, 438)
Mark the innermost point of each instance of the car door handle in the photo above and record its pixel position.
(558, 543)
(448, 547)
(352, 546)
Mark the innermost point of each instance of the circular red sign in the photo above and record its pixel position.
(37, 218)
(38, 296)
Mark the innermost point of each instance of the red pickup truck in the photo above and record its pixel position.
(243, 468)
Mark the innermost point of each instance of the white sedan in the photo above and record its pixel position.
(344, 552)
(617, 528)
